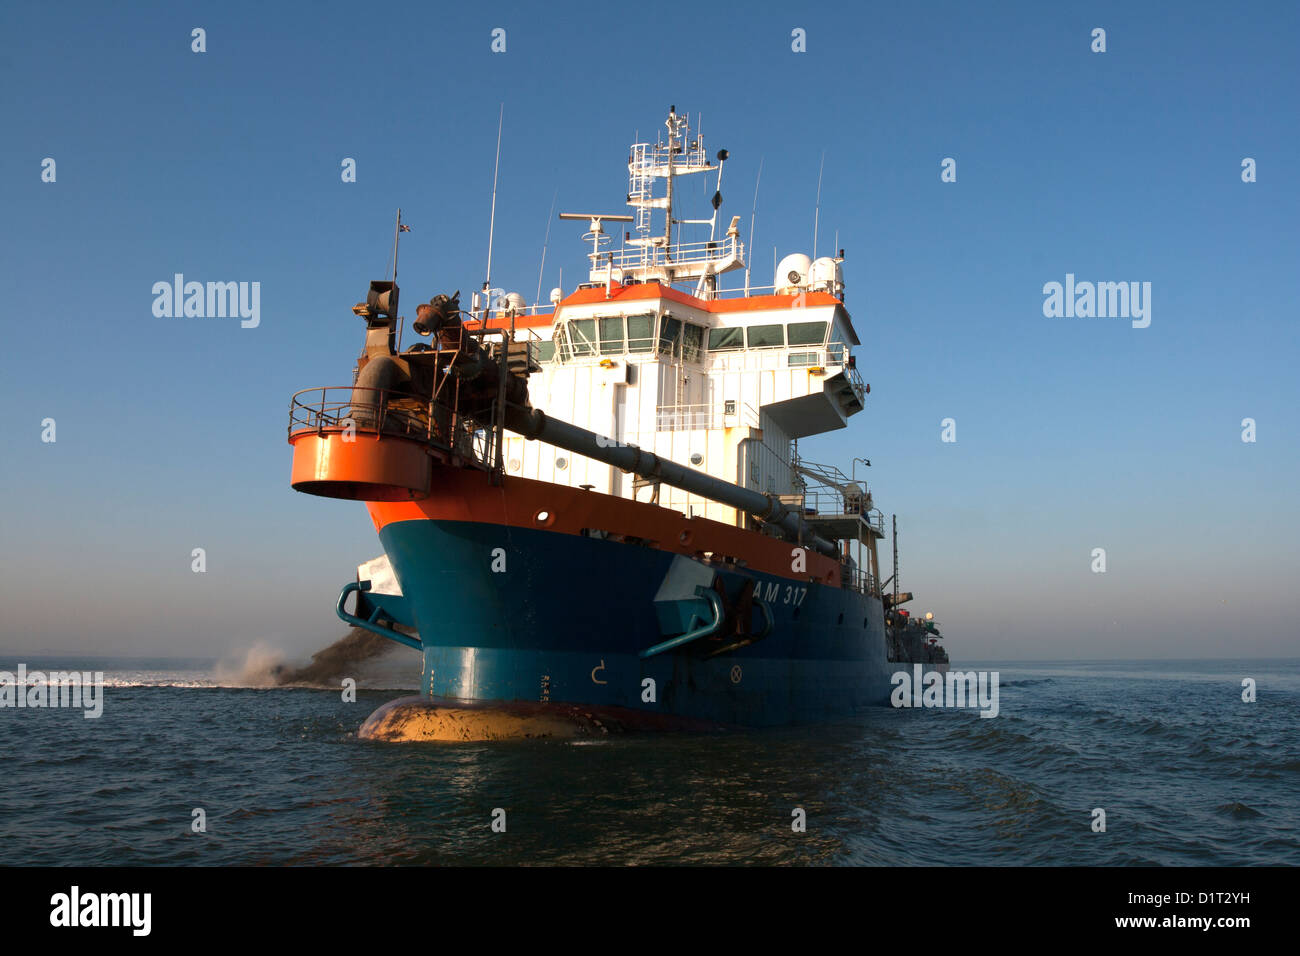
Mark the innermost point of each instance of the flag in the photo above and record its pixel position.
(404, 228)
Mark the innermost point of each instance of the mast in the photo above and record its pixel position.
(650, 253)
(895, 522)
(673, 123)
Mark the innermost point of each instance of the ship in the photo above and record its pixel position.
(596, 506)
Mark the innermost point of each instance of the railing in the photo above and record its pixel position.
(832, 504)
(856, 381)
(835, 355)
(676, 418)
(858, 580)
(386, 412)
(334, 408)
(628, 259)
(492, 305)
(653, 256)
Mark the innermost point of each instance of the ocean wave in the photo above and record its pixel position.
(126, 683)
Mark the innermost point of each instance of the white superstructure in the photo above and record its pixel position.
(652, 352)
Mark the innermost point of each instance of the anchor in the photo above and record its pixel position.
(732, 621)
(738, 619)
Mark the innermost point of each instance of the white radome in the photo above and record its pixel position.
(792, 273)
(826, 275)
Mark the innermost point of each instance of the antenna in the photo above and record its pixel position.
(752, 216)
(492, 221)
(397, 231)
(817, 215)
(595, 217)
(538, 298)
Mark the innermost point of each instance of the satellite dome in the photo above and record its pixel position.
(826, 275)
(792, 274)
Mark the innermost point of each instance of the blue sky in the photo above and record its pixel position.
(1071, 433)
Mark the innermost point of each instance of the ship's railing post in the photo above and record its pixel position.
(379, 412)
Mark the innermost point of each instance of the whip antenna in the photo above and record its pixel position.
(753, 214)
(492, 221)
(537, 299)
(817, 215)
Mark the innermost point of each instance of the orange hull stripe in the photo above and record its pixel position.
(459, 494)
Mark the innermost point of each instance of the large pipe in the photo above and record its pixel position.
(378, 377)
(441, 316)
(533, 423)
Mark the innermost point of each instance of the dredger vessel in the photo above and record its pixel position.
(597, 506)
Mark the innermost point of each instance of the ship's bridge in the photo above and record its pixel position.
(789, 354)
(724, 384)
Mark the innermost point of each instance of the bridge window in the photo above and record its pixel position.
(611, 335)
(544, 351)
(806, 333)
(670, 335)
(562, 345)
(766, 336)
(640, 332)
(721, 340)
(584, 336)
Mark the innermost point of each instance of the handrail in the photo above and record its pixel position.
(704, 630)
(369, 624)
(674, 418)
(859, 579)
(390, 413)
(651, 254)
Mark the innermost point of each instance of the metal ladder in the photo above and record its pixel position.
(641, 193)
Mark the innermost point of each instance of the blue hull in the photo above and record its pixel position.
(564, 618)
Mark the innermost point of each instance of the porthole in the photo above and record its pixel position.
(544, 518)
(561, 463)
(514, 464)
(697, 458)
